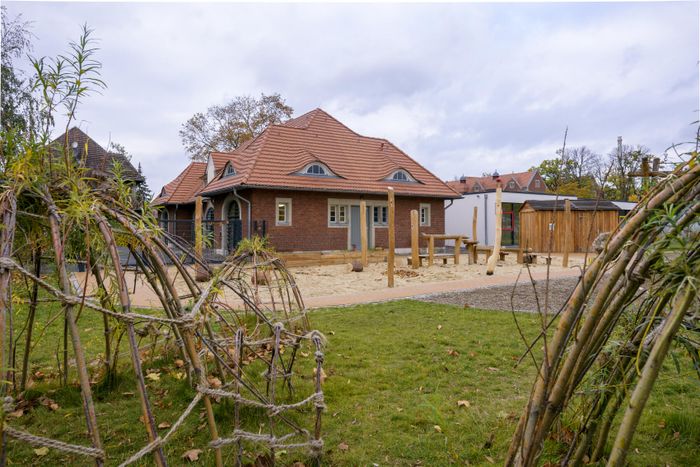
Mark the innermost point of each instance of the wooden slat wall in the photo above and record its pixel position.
(535, 228)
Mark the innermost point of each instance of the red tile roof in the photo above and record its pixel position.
(466, 184)
(183, 189)
(361, 164)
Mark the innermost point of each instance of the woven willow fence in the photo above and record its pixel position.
(250, 315)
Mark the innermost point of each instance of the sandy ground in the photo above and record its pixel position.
(339, 280)
(328, 280)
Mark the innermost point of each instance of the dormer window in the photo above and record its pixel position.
(229, 170)
(316, 169)
(511, 185)
(163, 192)
(401, 176)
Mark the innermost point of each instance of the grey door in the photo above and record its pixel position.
(355, 240)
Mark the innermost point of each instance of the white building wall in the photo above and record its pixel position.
(458, 216)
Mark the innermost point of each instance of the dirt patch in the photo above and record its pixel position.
(524, 297)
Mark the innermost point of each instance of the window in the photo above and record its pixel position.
(283, 214)
(401, 176)
(537, 183)
(229, 170)
(316, 169)
(337, 214)
(425, 214)
(379, 215)
(511, 185)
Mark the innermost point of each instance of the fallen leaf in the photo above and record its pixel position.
(17, 413)
(41, 451)
(179, 363)
(304, 354)
(298, 464)
(493, 369)
(463, 403)
(179, 375)
(452, 353)
(490, 459)
(153, 376)
(164, 425)
(192, 455)
(54, 406)
(343, 446)
(127, 393)
(214, 382)
(662, 424)
(676, 435)
(439, 326)
(323, 375)
(437, 428)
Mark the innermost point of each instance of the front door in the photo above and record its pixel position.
(355, 240)
(234, 230)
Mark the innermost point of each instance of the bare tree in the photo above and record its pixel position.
(624, 160)
(226, 127)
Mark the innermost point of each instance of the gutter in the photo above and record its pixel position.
(250, 221)
(451, 203)
(328, 190)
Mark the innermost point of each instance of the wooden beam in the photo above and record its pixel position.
(458, 248)
(521, 240)
(415, 260)
(491, 263)
(200, 274)
(567, 233)
(392, 238)
(431, 250)
(474, 222)
(363, 232)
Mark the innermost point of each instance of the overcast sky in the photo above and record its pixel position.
(462, 88)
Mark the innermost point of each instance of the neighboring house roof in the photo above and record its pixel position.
(183, 189)
(361, 164)
(488, 183)
(576, 205)
(97, 159)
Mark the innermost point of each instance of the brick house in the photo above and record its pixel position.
(300, 184)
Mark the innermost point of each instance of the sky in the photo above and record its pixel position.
(462, 88)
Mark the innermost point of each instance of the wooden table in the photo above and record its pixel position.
(471, 249)
(431, 245)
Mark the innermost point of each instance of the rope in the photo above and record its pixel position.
(272, 441)
(52, 443)
(316, 398)
(161, 441)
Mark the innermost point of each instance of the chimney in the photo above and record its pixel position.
(495, 175)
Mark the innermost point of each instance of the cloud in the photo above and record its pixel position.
(463, 88)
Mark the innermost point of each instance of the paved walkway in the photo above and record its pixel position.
(430, 288)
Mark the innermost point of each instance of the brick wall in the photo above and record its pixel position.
(309, 230)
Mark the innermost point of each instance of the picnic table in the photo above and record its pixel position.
(458, 238)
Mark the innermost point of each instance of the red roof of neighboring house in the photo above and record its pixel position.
(360, 163)
(523, 179)
(182, 190)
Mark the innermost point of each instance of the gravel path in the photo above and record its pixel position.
(499, 297)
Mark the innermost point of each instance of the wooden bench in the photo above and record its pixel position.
(489, 250)
(422, 256)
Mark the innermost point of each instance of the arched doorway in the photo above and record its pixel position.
(234, 230)
(209, 225)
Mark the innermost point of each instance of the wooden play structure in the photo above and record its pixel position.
(574, 223)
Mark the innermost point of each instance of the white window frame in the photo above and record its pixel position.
(229, 166)
(409, 178)
(424, 219)
(537, 183)
(327, 172)
(334, 210)
(288, 211)
(383, 215)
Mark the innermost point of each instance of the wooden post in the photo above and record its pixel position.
(491, 263)
(567, 233)
(392, 239)
(363, 232)
(474, 222)
(458, 247)
(431, 250)
(415, 259)
(521, 246)
(200, 274)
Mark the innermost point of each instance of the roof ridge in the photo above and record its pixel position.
(184, 174)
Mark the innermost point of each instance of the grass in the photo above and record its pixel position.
(396, 372)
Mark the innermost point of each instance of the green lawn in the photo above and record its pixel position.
(396, 372)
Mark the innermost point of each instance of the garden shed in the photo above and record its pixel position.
(537, 215)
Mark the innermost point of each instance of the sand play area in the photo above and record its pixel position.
(339, 285)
